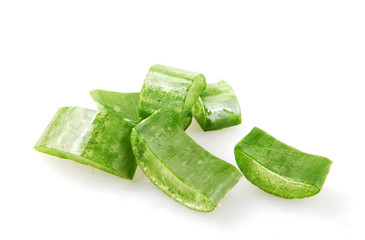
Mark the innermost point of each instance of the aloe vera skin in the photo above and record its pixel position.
(280, 169)
(171, 88)
(123, 104)
(217, 107)
(178, 166)
(91, 138)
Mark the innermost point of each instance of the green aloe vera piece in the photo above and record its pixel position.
(178, 166)
(91, 138)
(173, 89)
(123, 104)
(280, 169)
(217, 107)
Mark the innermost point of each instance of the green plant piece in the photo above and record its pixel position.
(280, 169)
(178, 166)
(123, 104)
(91, 138)
(217, 107)
(172, 89)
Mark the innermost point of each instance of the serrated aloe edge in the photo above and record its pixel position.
(178, 166)
(280, 169)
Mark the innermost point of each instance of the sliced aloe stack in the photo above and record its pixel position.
(178, 166)
(122, 104)
(91, 138)
(280, 169)
(172, 89)
(217, 107)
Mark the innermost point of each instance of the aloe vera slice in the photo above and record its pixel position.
(178, 166)
(217, 107)
(280, 169)
(123, 104)
(91, 138)
(172, 89)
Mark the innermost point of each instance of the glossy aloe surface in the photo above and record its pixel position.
(91, 138)
(178, 166)
(217, 107)
(171, 89)
(123, 104)
(280, 169)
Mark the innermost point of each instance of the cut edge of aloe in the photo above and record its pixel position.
(154, 174)
(198, 112)
(265, 179)
(65, 155)
(200, 84)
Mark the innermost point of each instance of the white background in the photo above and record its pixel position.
(297, 67)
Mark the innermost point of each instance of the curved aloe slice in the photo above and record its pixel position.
(90, 138)
(280, 169)
(178, 166)
(217, 107)
(173, 89)
(123, 104)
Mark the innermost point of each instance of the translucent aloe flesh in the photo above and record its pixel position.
(171, 89)
(280, 169)
(122, 104)
(91, 138)
(217, 107)
(178, 166)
